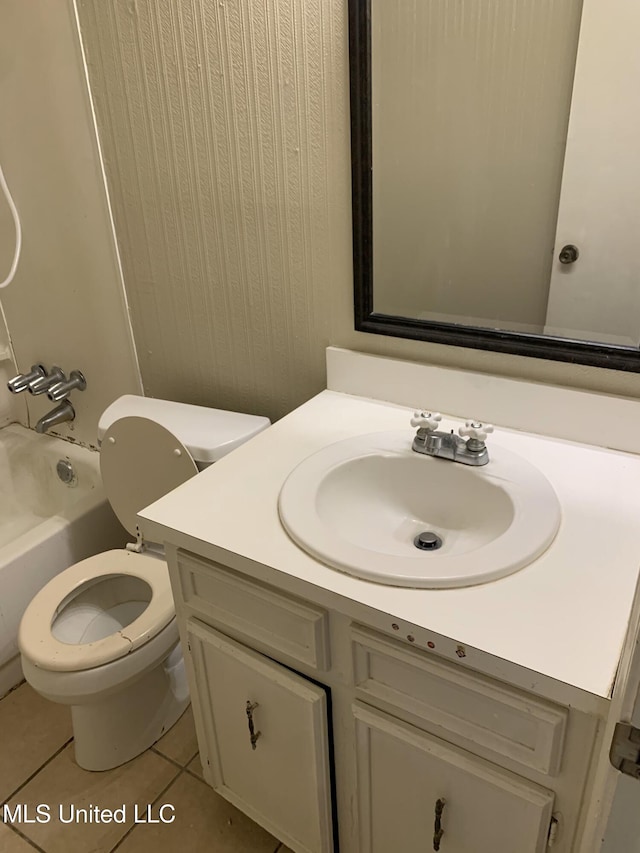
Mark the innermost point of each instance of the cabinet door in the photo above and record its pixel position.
(266, 739)
(404, 776)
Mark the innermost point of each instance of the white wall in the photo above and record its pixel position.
(66, 305)
(12, 408)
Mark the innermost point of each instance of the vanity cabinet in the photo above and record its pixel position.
(324, 729)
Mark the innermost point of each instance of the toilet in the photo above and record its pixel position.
(102, 635)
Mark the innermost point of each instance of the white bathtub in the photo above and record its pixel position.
(45, 525)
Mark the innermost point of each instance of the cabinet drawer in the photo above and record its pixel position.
(500, 719)
(256, 611)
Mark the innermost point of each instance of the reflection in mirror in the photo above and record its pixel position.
(496, 188)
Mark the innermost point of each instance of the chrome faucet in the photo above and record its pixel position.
(57, 388)
(445, 445)
(43, 383)
(61, 390)
(63, 412)
(22, 381)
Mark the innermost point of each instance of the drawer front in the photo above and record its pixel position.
(505, 721)
(281, 623)
(265, 739)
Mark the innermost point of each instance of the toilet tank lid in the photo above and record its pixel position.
(208, 434)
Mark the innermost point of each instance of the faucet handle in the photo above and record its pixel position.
(42, 384)
(475, 430)
(21, 382)
(61, 390)
(426, 420)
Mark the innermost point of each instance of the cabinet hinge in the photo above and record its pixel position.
(553, 831)
(138, 546)
(625, 750)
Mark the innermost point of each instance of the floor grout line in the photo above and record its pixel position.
(24, 838)
(12, 689)
(171, 760)
(161, 794)
(35, 773)
(196, 776)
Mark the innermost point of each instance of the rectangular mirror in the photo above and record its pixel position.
(496, 185)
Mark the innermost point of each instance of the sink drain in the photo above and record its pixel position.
(428, 541)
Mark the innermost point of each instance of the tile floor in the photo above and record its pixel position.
(37, 767)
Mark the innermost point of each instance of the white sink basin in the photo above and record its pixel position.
(358, 505)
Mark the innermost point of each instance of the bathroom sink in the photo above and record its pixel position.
(372, 507)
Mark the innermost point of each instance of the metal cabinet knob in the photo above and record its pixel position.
(569, 254)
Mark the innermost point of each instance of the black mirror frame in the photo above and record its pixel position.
(612, 356)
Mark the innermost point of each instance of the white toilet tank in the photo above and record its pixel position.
(208, 434)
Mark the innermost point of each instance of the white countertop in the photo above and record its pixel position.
(564, 616)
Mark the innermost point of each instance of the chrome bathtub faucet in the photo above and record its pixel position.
(56, 386)
(63, 412)
(58, 392)
(431, 441)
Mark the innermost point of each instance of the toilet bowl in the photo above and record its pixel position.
(102, 635)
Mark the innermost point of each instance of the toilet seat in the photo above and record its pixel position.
(37, 642)
(140, 462)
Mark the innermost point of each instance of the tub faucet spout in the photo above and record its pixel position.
(63, 412)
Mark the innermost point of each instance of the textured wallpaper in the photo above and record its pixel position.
(220, 122)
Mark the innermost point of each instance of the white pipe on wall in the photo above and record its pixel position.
(18, 227)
